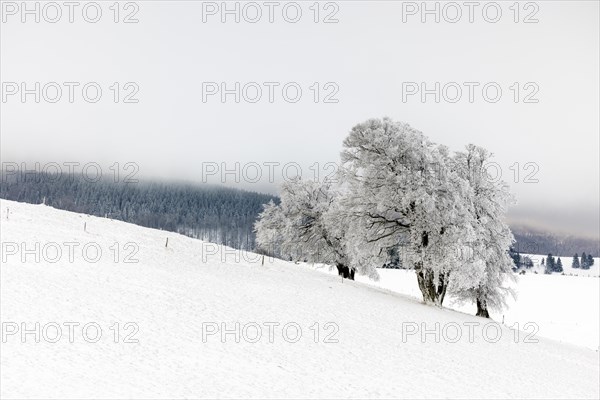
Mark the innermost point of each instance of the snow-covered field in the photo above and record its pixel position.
(593, 271)
(175, 298)
(564, 308)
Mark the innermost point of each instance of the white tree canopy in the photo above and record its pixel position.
(398, 190)
(305, 225)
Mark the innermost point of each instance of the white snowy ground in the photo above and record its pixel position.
(567, 261)
(564, 308)
(171, 293)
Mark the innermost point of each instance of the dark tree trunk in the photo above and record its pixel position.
(442, 286)
(344, 271)
(425, 280)
(482, 310)
(432, 294)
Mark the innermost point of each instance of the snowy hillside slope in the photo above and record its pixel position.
(564, 308)
(175, 293)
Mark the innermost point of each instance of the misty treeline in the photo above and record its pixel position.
(161, 205)
(397, 194)
(535, 242)
(217, 214)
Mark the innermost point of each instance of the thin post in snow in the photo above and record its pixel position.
(167, 243)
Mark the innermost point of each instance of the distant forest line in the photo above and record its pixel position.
(213, 213)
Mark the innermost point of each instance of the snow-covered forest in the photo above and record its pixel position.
(214, 213)
(210, 212)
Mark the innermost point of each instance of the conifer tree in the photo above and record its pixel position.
(549, 264)
(516, 257)
(575, 263)
(558, 267)
(584, 261)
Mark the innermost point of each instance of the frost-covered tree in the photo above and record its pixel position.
(575, 263)
(402, 199)
(484, 280)
(399, 191)
(269, 229)
(307, 225)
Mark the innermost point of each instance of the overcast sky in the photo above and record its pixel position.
(369, 57)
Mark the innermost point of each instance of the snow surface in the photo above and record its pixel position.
(564, 308)
(567, 261)
(172, 291)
